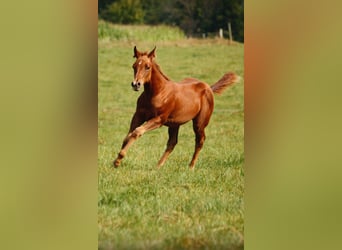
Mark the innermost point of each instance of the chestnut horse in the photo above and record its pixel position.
(164, 102)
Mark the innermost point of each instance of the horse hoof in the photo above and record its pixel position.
(116, 163)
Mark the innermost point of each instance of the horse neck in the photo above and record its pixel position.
(158, 80)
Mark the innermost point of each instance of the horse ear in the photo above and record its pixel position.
(136, 52)
(152, 53)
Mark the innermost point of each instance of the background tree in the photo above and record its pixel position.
(103, 4)
(123, 11)
(195, 17)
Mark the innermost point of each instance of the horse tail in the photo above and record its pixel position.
(226, 80)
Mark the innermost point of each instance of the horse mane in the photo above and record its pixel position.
(158, 68)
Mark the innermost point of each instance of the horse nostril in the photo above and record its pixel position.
(132, 84)
(138, 84)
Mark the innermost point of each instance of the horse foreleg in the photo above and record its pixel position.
(171, 143)
(134, 135)
(136, 121)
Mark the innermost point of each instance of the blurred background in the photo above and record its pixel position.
(197, 18)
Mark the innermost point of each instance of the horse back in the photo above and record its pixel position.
(190, 97)
(189, 81)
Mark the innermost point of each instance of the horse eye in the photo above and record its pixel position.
(147, 67)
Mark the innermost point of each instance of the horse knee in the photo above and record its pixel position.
(137, 133)
(134, 135)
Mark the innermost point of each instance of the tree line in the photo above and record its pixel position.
(195, 17)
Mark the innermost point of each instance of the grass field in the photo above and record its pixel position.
(140, 207)
(126, 33)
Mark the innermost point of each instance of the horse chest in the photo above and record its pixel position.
(160, 102)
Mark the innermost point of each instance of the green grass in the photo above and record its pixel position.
(138, 32)
(140, 207)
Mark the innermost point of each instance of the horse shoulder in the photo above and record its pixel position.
(166, 97)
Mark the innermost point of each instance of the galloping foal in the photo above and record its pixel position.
(164, 102)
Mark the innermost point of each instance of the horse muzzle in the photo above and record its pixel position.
(136, 86)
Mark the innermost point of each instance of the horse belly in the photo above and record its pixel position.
(183, 114)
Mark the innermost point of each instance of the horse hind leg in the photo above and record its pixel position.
(171, 143)
(200, 138)
(199, 124)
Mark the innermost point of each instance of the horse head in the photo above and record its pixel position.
(142, 68)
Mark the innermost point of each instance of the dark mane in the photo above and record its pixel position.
(158, 68)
